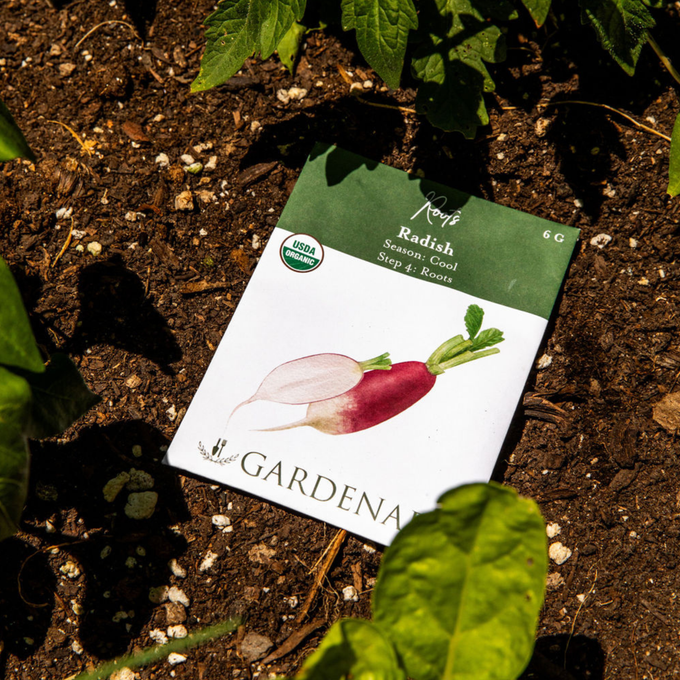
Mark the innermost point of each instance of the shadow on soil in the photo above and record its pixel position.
(566, 657)
(344, 123)
(115, 310)
(117, 559)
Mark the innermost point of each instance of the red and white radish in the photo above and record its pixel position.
(314, 378)
(381, 395)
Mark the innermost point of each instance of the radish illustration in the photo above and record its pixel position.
(314, 378)
(381, 395)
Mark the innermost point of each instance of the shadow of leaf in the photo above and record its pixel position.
(116, 311)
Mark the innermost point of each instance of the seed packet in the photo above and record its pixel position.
(380, 349)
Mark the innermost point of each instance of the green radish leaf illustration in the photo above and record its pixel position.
(473, 320)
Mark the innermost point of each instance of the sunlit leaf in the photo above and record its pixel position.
(13, 144)
(353, 649)
(460, 589)
(239, 28)
(17, 344)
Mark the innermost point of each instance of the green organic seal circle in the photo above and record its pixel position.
(301, 253)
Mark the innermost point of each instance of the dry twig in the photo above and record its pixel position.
(105, 23)
(325, 561)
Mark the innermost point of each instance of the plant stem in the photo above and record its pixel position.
(612, 109)
(662, 56)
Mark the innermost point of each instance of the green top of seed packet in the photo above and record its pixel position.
(428, 231)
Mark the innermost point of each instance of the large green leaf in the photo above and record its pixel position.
(382, 28)
(13, 144)
(538, 9)
(237, 29)
(60, 397)
(460, 588)
(15, 400)
(621, 26)
(353, 649)
(17, 344)
(458, 40)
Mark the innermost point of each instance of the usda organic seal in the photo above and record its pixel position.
(301, 253)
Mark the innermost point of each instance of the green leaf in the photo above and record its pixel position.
(621, 26)
(674, 165)
(473, 320)
(60, 397)
(15, 400)
(538, 9)
(487, 338)
(460, 589)
(382, 28)
(17, 344)
(237, 29)
(355, 649)
(13, 144)
(458, 40)
(289, 46)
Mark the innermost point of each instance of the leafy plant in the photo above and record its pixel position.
(453, 42)
(12, 142)
(36, 399)
(457, 596)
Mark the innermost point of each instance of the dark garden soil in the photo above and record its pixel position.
(143, 318)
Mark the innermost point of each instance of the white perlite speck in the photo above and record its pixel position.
(349, 594)
(162, 160)
(552, 529)
(124, 673)
(158, 636)
(178, 570)
(295, 93)
(94, 248)
(559, 553)
(207, 561)
(601, 240)
(174, 658)
(178, 632)
(177, 595)
(221, 521)
(544, 362)
(70, 569)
